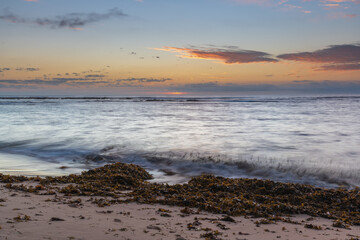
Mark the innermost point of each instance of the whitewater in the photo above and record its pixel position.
(307, 139)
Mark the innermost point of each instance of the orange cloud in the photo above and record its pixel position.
(229, 55)
(332, 5)
(340, 67)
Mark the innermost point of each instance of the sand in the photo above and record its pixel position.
(31, 216)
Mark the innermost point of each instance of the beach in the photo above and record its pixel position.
(48, 208)
(180, 120)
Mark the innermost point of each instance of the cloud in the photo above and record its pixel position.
(4, 69)
(81, 81)
(216, 87)
(68, 79)
(351, 15)
(338, 57)
(53, 81)
(144, 80)
(282, 2)
(27, 69)
(228, 55)
(345, 53)
(340, 67)
(19, 81)
(95, 76)
(304, 6)
(294, 87)
(87, 83)
(39, 83)
(343, 1)
(332, 5)
(71, 20)
(337, 15)
(303, 86)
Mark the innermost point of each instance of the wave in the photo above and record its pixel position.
(177, 166)
(15, 144)
(194, 164)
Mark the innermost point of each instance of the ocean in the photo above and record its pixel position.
(310, 139)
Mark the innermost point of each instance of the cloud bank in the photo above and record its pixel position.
(88, 80)
(144, 80)
(28, 69)
(301, 87)
(204, 88)
(71, 20)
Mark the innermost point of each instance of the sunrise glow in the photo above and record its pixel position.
(103, 50)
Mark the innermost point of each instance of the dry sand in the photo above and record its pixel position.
(30, 216)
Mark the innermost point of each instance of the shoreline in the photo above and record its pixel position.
(84, 220)
(96, 203)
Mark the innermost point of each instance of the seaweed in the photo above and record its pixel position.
(232, 197)
(313, 226)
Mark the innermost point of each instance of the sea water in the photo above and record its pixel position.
(309, 139)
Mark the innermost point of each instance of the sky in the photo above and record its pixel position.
(179, 47)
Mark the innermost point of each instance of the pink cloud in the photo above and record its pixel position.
(338, 15)
(350, 15)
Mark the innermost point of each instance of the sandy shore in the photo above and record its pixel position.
(31, 216)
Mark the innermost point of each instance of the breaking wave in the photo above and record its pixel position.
(165, 165)
(178, 167)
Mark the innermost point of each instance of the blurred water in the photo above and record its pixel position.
(299, 139)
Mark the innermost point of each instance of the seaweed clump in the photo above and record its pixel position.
(103, 181)
(106, 180)
(253, 197)
(12, 179)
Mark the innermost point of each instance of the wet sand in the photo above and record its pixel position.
(31, 216)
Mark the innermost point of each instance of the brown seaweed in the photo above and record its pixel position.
(232, 197)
